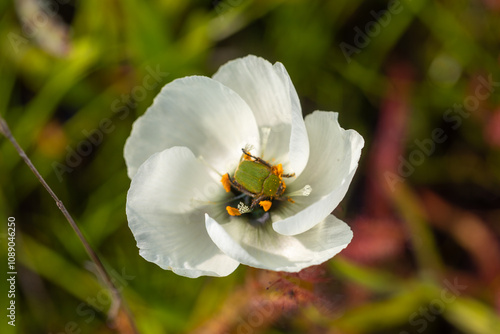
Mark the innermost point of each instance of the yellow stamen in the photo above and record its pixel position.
(266, 205)
(277, 170)
(225, 182)
(233, 211)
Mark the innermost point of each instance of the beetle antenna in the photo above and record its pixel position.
(257, 159)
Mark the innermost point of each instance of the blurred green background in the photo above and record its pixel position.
(420, 80)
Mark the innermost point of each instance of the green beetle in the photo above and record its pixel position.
(259, 180)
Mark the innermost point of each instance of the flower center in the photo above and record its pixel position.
(256, 184)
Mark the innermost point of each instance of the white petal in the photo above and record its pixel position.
(269, 92)
(199, 113)
(276, 150)
(262, 88)
(167, 219)
(299, 142)
(262, 247)
(332, 163)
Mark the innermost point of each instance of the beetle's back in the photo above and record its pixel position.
(271, 185)
(251, 175)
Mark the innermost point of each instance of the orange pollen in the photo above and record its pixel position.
(233, 211)
(277, 170)
(266, 205)
(225, 182)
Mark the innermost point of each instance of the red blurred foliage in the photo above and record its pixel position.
(378, 235)
(296, 288)
(469, 231)
(389, 142)
(492, 129)
(375, 240)
(492, 4)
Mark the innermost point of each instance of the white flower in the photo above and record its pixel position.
(194, 133)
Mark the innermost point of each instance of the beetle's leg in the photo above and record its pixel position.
(288, 175)
(256, 201)
(264, 162)
(264, 201)
(285, 198)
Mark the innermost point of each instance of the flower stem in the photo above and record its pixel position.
(117, 303)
